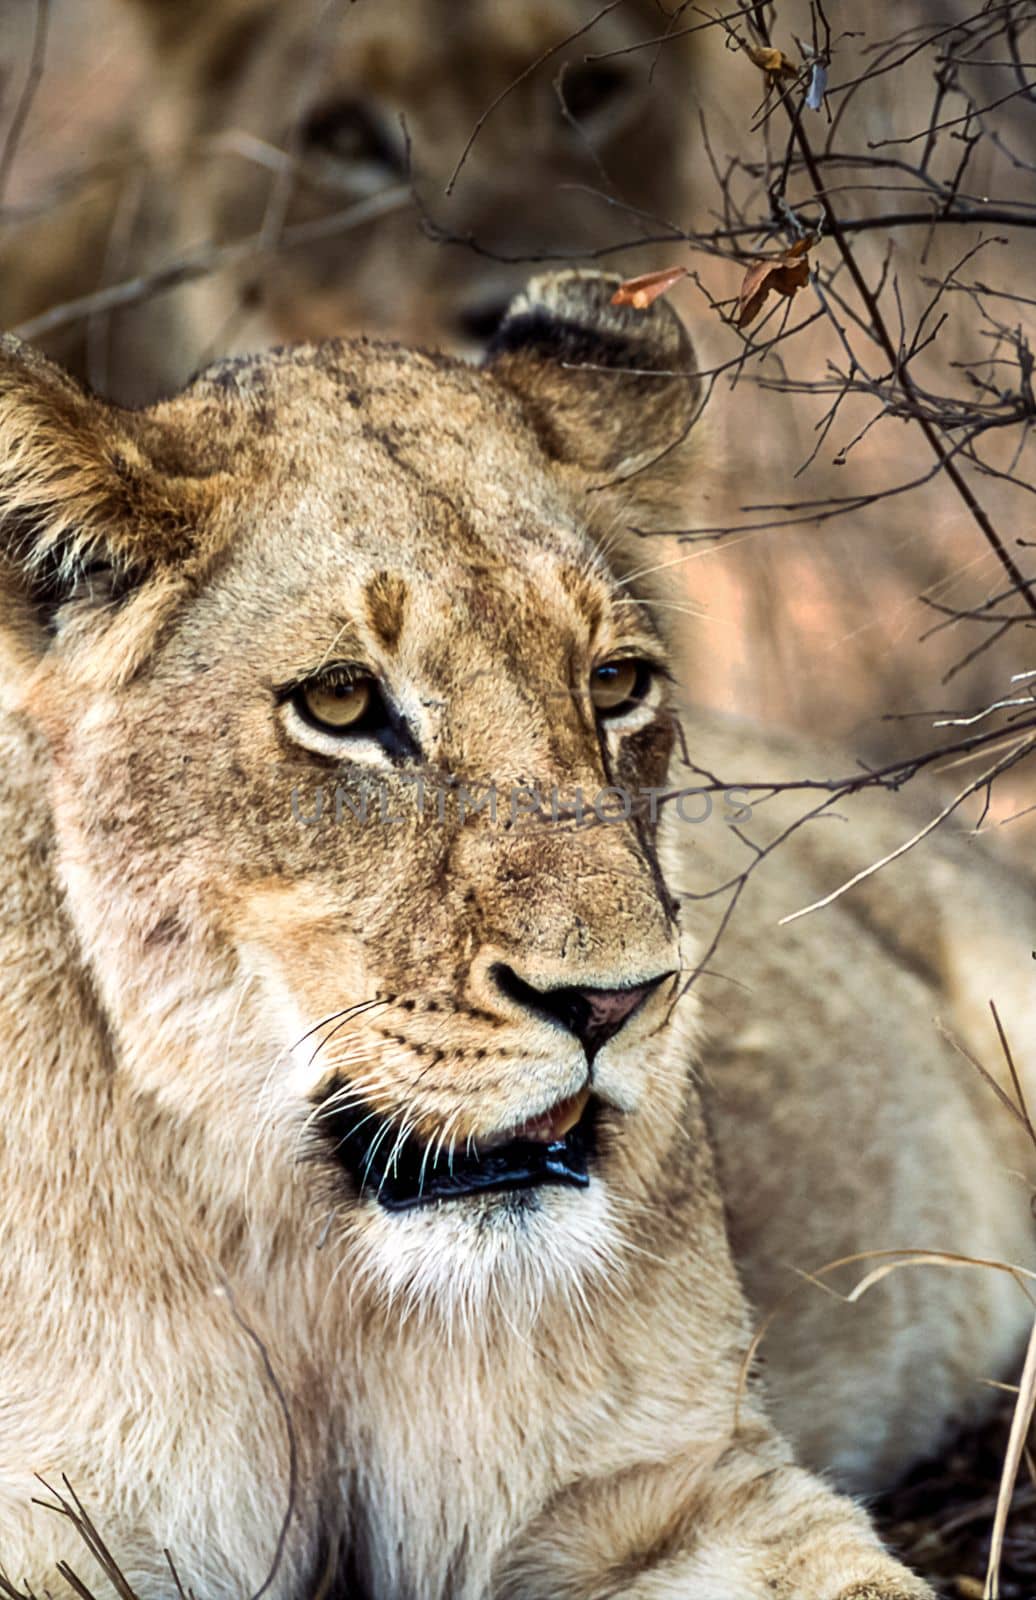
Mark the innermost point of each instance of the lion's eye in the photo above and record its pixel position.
(341, 703)
(341, 712)
(591, 87)
(618, 687)
(351, 133)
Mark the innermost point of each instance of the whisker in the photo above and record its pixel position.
(393, 1157)
(443, 1134)
(659, 566)
(372, 1149)
(345, 1017)
(332, 1016)
(424, 1166)
(700, 612)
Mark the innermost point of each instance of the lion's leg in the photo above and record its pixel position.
(750, 1526)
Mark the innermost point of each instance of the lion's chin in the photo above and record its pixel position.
(519, 1255)
(418, 1174)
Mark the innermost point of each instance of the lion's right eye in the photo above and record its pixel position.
(350, 133)
(343, 712)
(341, 702)
(620, 687)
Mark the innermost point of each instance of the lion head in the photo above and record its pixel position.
(356, 710)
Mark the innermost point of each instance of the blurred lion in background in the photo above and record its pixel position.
(321, 139)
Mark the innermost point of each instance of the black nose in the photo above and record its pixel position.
(480, 320)
(593, 1015)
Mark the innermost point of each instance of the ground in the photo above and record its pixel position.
(939, 1521)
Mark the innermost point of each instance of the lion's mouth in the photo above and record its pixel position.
(554, 1148)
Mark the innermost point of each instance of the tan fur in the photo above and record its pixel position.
(501, 1397)
(238, 90)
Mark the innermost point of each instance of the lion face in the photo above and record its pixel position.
(373, 105)
(353, 721)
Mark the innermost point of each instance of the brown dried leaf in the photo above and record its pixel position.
(649, 287)
(755, 291)
(775, 62)
(784, 274)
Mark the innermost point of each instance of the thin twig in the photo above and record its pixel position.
(1021, 583)
(201, 263)
(922, 833)
(293, 1448)
(525, 73)
(33, 76)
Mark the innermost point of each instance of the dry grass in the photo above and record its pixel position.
(941, 1519)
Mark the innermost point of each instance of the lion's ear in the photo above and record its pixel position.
(87, 519)
(609, 388)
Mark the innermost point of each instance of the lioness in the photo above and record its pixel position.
(361, 1229)
(300, 132)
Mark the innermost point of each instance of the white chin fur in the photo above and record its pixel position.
(461, 1260)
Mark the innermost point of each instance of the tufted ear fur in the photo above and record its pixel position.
(610, 389)
(88, 518)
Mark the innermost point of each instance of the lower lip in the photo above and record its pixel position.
(413, 1179)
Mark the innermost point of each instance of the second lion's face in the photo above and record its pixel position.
(345, 124)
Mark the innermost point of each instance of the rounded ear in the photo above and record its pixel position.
(86, 516)
(608, 387)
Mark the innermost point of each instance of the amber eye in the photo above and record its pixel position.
(338, 703)
(617, 687)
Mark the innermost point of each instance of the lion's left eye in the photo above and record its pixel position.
(341, 712)
(618, 687)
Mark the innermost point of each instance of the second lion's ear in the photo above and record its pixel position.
(609, 388)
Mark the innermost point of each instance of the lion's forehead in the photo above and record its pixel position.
(410, 50)
(379, 501)
(440, 620)
(359, 415)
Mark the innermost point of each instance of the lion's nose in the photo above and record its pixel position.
(593, 1015)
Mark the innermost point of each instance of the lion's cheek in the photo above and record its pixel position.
(297, 941)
